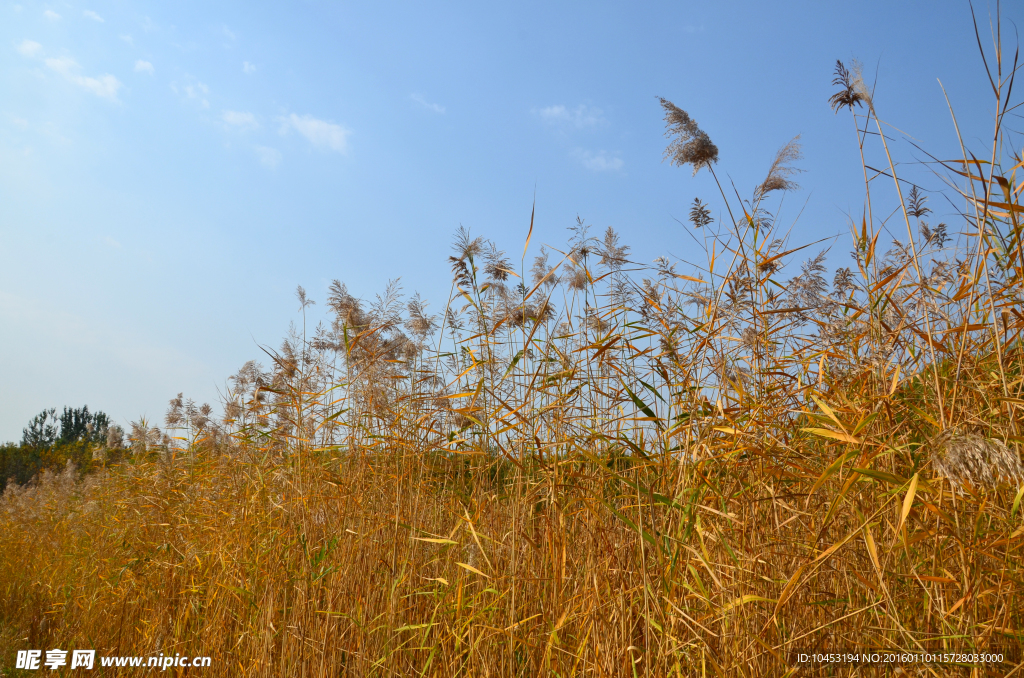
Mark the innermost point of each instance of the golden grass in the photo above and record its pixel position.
(624, 487)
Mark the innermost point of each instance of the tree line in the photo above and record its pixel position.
(50, 441)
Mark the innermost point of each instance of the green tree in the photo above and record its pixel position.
(51, 441)
(42, 431)
(79, 425)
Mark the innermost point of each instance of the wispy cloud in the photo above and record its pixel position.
(143, 67)
(89, 14)
(436, 108)
(248, 68)
(229, 34)
(129, 39)
(198, 91)
(598, 162)
(194, 91)
(320, 133)
(29, 48)
(51, 15)
(581, 117)
(269, 157)
(242, 120)
(105, 86)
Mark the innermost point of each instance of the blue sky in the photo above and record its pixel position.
(169, 172)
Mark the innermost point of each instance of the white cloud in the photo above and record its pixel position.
(598, 162)
(581, 117)
(229, 34)
(269, 157)
(436, 108)
(320, 133)
(51, 15)
(196, 91)
(248, 68)
(105, 86)
(63, 65)
(129, 39)
(89, 14)
(143, 67)
(240, 119)
(111, 242)
(29, 48)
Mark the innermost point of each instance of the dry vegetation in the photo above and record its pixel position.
(590, 468)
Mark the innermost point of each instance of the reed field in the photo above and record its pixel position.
(584, 465)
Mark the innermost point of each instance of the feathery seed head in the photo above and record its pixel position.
(782, 169)
(843, 283)
(850, 94)
(613, 254)
(466, 247)
(665, 267)
(347, 309)
(543, 311)
(497, 266)
(915, 203)
(690, 144)
(232, 411)
(576, 278)
(419, 323)
(700, 215)
(970, 459)
(542, 271)
(175, 411)
(115, 436)
(304, 300)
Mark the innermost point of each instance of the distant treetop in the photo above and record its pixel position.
(46, 429)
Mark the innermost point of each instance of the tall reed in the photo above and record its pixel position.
(589, 466)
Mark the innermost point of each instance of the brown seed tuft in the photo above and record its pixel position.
(971, 459)
(850, 94)
(782, 169)
(690, 144)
